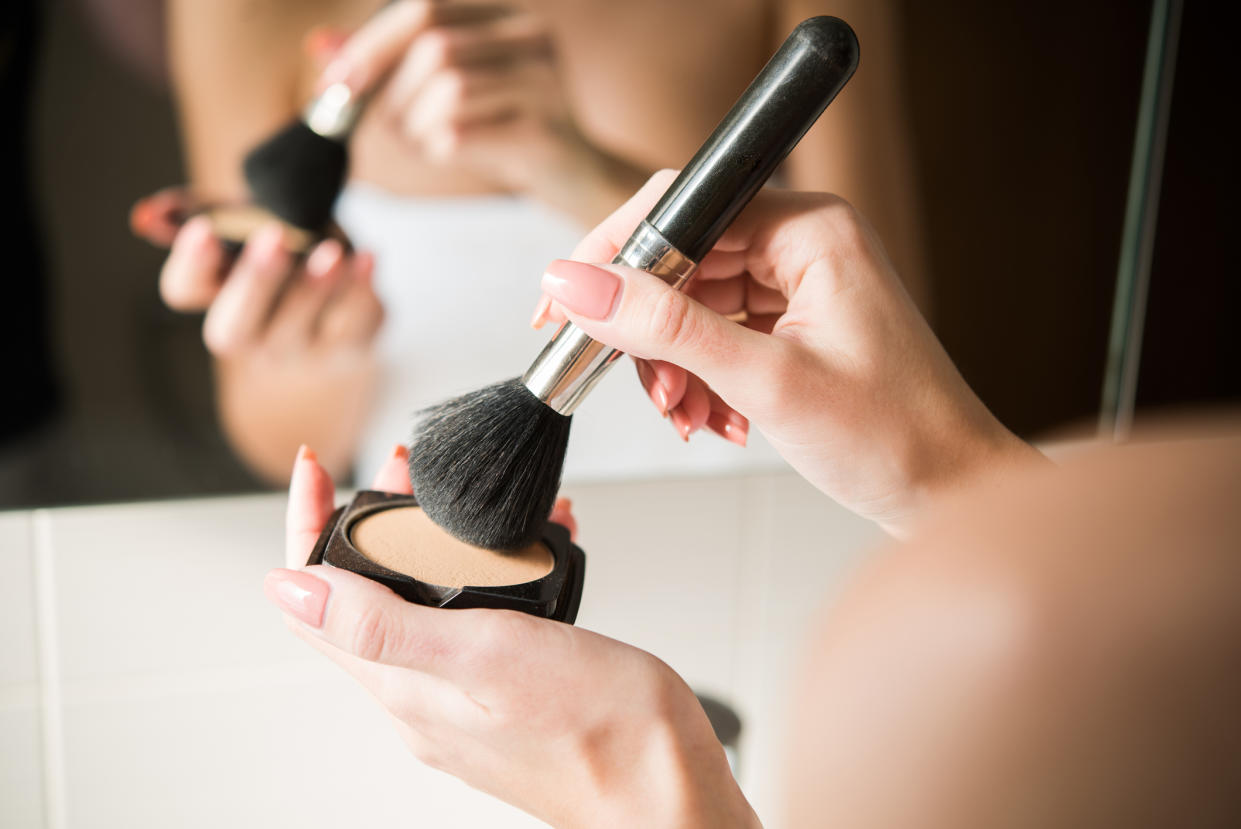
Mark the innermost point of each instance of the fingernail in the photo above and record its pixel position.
(304, 453)
(661, 396)
(323, 41)
(197, 231)
(323, 258)
(141, 216)
(301, 595)
(581, 288)
(400, 452)
(540, 313)
(729, 428)
(267, 242)
(681, 422)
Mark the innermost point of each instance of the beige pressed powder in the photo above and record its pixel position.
(235, 222)
(403, 539)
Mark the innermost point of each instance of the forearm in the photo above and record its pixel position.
(581, 179)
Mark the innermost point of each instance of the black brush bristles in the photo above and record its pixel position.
(297, 174)
(486, 466)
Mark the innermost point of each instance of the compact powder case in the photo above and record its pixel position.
(234, 223)
(547, 575)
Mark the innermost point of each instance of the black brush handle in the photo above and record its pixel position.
(786, 98)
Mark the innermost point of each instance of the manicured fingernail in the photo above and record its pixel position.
(399, 452)
(267, 243)
(540, 313)
(141, 216)
(305, 453)
(661, 396)
(681, 422)
(323, 41)
(197, 231)
(301, 595)
(323, 258)
(338, 71)
(735, 430)
(581, 288)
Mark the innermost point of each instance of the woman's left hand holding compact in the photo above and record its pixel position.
(570, 726)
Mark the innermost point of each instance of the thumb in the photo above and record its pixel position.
(365, 58)
(642, 315)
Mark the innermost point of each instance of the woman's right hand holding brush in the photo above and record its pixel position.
(833, 361)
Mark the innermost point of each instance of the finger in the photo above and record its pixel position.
(311, 501)
(724, 296)
(374, 49)
(603, 243)
(721, 264)
(393, 476)
(641, 315)
(726, 421)
(159, 216)
(296, 316)
(355, 313)
(562, 514)
(462, 100)
(241, 310)
(691, 413)
(190, 278)
(664, 382)
(363, 618)
(417, 701)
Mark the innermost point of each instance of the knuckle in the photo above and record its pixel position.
(672, 320)
(439, 47)
(374, 635)
(220, 340)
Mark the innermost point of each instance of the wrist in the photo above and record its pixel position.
(978, 447)
(669, 772)
(573, 174)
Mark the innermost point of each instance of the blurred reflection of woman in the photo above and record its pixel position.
(494, 137)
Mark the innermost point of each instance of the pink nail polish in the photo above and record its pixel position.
(323, 258)
(301, 595)
(583, 289)
(540, 313)
(682, 424)
(661, 396)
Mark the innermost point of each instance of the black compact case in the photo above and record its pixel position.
(555, 596)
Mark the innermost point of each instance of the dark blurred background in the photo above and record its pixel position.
(1023, 122)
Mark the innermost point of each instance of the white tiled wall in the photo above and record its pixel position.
(145, 682)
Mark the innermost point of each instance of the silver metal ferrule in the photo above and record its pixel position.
(333, 113)
(572, 363)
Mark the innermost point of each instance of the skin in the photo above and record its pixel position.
(1052, 646)
(858, 394)
(579, 115)
(469, 703)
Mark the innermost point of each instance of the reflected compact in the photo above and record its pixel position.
(389, 539)
(232, 224)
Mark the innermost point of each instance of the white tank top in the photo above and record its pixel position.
(459, 279)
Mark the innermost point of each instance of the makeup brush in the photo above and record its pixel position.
(298, 172)
(486, 466)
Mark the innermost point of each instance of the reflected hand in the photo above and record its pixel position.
(570, 726)
(477, 85)
(833, 361)
(293, 337)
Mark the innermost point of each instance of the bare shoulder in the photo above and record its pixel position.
(1064, 647)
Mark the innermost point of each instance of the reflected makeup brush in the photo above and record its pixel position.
(486, 466)
(298, 172)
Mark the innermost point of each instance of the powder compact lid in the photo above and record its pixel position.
(387, 538)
